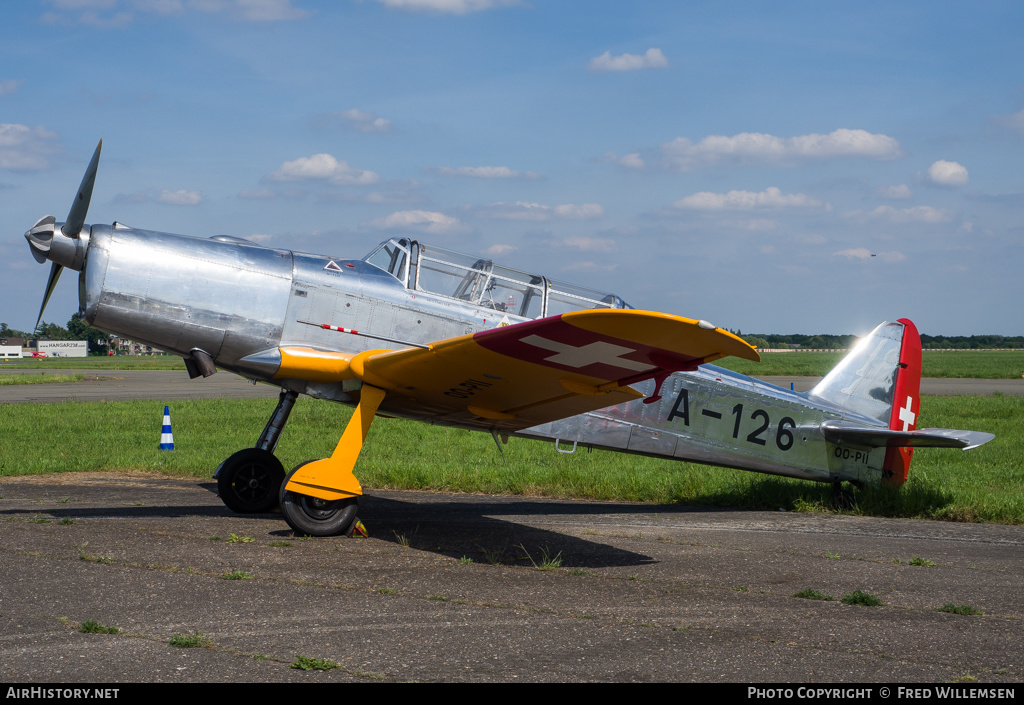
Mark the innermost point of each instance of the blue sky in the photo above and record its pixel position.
(770, 167)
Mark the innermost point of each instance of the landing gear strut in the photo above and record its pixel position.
(322, 499)
(249, 482)
(313, 516)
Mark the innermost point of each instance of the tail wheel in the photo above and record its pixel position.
(249, 482)
(843, 497)
(311, 516)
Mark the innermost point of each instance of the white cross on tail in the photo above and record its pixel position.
(907, 416)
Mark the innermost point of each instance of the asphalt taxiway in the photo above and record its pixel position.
(452, 588)
(124, 385)
(173, 385)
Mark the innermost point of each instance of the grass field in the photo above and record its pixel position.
(986, 364)
(39, 378)
(985, 484)
(164, 362)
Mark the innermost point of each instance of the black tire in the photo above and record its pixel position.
(249, 482)
(310, 516)
(843, 498)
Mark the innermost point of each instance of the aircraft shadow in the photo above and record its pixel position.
(469, 526)
(476, 527)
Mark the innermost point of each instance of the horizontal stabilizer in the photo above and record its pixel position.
(849, 433)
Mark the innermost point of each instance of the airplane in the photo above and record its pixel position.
(421, 332)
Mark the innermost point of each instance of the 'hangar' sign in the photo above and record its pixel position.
(64, 348)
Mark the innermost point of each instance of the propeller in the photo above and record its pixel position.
(76, 216)
(65, 249)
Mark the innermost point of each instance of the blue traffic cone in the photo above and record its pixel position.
(166, 437)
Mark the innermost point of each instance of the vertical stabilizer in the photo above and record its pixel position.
(881, 379)
(906, 404)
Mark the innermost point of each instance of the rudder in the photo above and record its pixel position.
(907, 404)
(881, 379)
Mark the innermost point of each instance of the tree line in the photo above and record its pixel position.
(841, 342)
(76, 329)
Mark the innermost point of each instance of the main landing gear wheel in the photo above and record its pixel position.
(311, 516)
(249, 482)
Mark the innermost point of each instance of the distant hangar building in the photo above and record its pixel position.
(10, 348)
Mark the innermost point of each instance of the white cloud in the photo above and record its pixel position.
(1014, 121)
(589, 266)
(896, 193)
(365, 122)
(683, 154)
(165, 196)
(9, 86)
(855, 253)
(455, 7)
(522, 210)
(810, 239)
(252, 10)
(760, 224)
(159, 7)
(24, 148)
(630, 161)
(180, 198)
(94, 13)
(591, 244)
(500, 249)
(487, 172)
(427, 221)
(917, 214)
(121, 13)
(83, 4)
(772, 197)
(652, 58)
(862, 253)
(323, 167)
(945, 173)
(583, 211)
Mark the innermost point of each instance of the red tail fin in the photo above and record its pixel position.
(906, 404)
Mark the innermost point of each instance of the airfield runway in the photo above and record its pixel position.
(118, 385)
(449, 588)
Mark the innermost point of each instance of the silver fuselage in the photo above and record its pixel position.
(232, 299)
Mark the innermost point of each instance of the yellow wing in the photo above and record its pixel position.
(503, 379)
(518, 376)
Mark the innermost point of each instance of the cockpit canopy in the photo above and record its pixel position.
(482, 283)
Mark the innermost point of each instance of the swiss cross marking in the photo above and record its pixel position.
(599, 352)
(907, 416)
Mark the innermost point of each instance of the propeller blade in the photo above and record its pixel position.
(40, 237)
(79, 209)
(55, 271)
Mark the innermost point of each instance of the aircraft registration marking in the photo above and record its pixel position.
(784, 438)
(467, 388)
(857, 456)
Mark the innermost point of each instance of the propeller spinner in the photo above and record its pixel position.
(65, 246)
